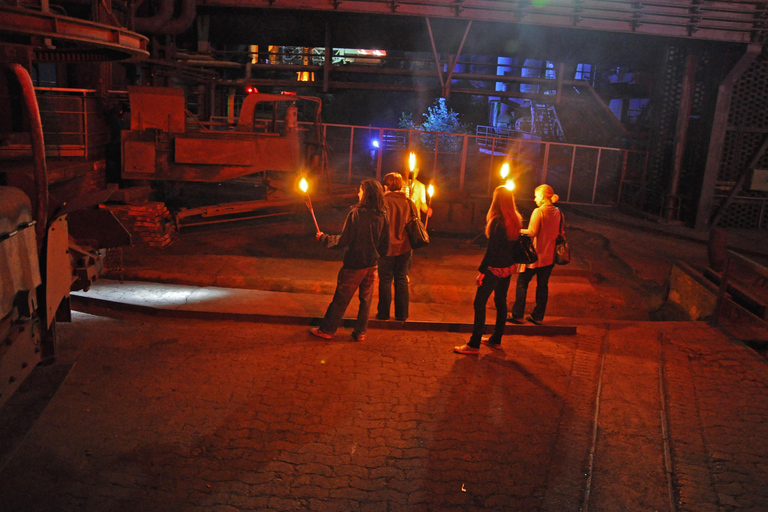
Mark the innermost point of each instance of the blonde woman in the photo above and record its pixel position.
(502, 227)
(543, 227)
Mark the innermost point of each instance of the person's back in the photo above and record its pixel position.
(399, 211)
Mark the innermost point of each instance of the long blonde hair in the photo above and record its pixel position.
(503, 207)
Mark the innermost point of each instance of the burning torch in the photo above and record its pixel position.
(304, 186)
(430, 192)
(510, 183)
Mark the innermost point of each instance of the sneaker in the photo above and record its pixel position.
(514, 320)
(535, 322)
(466, 349)
(382, 317)
(320, 334)
(358, 336)
(488, 342)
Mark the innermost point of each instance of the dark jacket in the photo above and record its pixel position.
(399, 212)
(365, 235)
(499, 251)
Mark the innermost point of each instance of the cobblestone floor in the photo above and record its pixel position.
(168, 415)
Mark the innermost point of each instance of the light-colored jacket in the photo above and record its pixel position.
(400, 212)
(544, 227)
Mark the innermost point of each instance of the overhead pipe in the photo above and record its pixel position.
(154, 23)
(38, 150)
(183, 22)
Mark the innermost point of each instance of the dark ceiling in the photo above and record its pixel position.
(403, 33)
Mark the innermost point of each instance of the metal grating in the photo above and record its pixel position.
(665, 121)
(748, 128)
(744, 214)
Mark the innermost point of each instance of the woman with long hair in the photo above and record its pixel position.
(543, 227)
(366, 237)
(502, 227)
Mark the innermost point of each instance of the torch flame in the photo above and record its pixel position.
(510, 185)
(430, 190)
(303, 185)
(505, 170)
(412, 161)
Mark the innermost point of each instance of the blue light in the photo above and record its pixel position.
(375, 143)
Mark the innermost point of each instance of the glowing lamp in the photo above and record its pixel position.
(375, 143)
(251, 89)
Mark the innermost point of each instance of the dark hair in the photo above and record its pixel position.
(393, 181)
(373, 196)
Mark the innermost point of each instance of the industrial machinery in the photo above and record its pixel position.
(50, 243)
(264, 151)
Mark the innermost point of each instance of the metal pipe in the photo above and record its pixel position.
(38, 151)
(154, 23)
(183, 22)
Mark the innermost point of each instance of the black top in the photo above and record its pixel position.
(365, 235)
(499, 252)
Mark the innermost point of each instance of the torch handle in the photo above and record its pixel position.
(315, 219)
(312, 211)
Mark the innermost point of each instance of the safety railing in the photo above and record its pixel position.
(73, 122)
(742, 302)
(470, 164)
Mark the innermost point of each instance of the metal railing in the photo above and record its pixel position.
(736, 309)
(469, 164)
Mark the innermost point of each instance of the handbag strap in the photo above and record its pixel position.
(562, 231)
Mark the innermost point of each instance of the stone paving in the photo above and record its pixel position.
(163, 414)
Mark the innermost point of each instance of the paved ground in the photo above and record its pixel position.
(160, 414)
(167, 414)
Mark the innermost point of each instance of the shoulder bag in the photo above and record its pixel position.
(523, 250)
(562, 249)
(417, 233)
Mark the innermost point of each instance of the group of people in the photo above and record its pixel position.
(375, 238)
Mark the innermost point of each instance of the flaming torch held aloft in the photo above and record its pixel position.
(411, 161)
(304, 186)
(430, 193)
(510, 183)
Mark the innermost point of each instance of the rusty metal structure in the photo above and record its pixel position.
(265, 145)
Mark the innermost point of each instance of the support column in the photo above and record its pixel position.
(717, 136)
(672, 201)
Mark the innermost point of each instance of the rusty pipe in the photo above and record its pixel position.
(154, 23)
(38, 150)
(183, 22)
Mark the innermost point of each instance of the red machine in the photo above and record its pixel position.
(266, 149)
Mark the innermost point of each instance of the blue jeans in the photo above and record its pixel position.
(394, 268)
(542, 292)
(499, 287)
(348, 282)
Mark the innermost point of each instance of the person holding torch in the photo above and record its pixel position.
(416, 191)
(365, 236)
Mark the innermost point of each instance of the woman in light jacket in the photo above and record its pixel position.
(544, 227)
